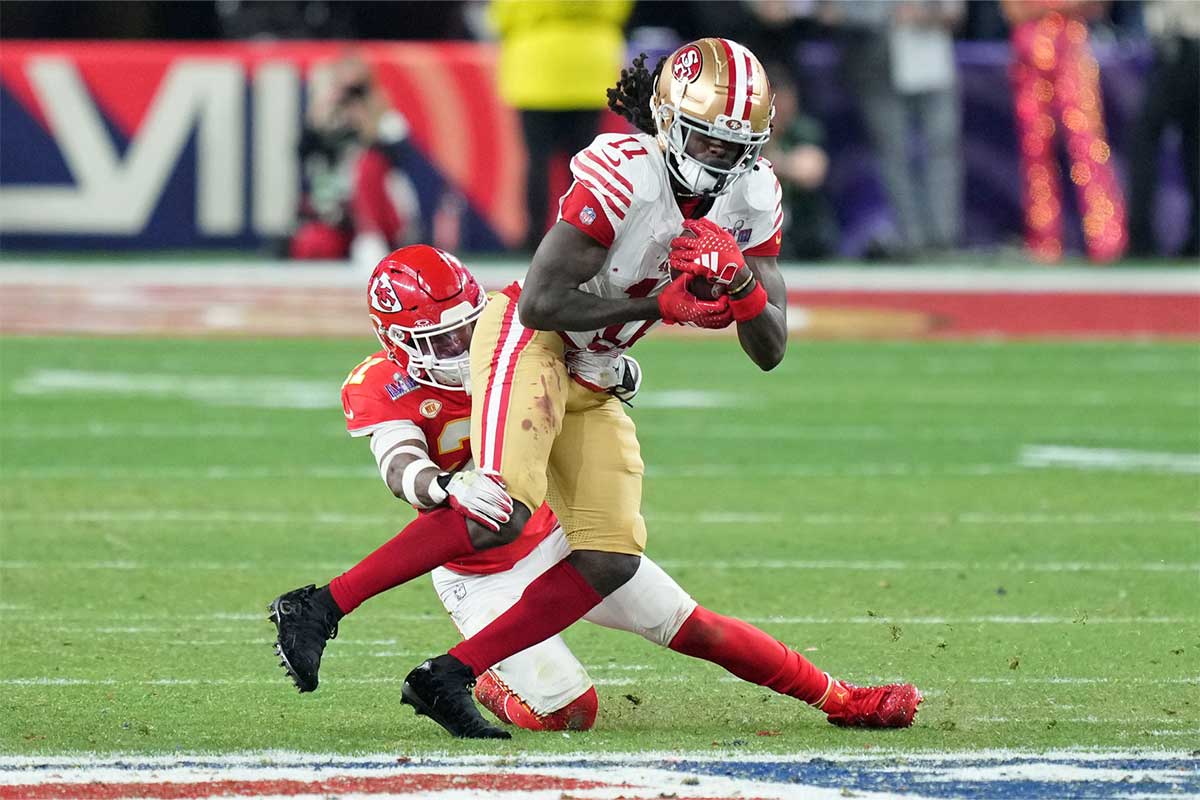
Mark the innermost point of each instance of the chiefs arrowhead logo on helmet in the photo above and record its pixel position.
(383, 296)
(687, 64)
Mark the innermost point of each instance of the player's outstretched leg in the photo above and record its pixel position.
(304, 620)
(755, 656)
(440, 688)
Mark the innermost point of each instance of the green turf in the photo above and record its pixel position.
(143, 536)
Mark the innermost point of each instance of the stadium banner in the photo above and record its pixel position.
(156, 145)
(170, 145)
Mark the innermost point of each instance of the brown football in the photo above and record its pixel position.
(701, 288)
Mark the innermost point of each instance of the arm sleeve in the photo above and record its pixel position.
(401, 444)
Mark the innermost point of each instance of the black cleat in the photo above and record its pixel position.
(304, 620)
(441, 690)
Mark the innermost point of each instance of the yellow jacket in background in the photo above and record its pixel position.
(559, 55)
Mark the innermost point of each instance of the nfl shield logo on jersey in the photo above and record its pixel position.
(588, 215)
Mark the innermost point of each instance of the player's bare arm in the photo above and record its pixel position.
(550, 297)
(764, 338)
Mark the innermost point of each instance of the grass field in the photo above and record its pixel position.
(874, 505)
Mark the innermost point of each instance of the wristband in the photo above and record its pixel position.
(743, 285)
(750, 306)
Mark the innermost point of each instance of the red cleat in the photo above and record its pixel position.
(891, 706)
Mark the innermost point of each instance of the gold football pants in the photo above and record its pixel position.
(551, 438)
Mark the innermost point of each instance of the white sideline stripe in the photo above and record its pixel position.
(1097, 458)
(499, 273)
(639, 774)
(217, 390)
(714, 517)
(848, 754)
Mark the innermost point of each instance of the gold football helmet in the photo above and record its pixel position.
(717, 88)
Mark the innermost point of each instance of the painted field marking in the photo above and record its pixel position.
(1098, 458)
(827, 774)
(743, 472)
(661, 428)
(214, 390)
(308, 393)
(714, 517)
(1185, 568)
(162, 430)
(1082, 621)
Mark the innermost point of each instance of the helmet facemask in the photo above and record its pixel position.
(438, 355)
(693, 175)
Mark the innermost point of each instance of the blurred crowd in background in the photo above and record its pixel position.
(899, 66)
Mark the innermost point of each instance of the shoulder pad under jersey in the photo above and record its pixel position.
(623, 164)
(759, 187)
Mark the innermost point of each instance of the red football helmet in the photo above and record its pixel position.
(423, 303)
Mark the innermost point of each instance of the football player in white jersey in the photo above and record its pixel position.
(679, 223)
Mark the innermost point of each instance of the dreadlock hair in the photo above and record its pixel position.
(631, 96)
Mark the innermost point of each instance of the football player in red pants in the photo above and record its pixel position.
(412, 400)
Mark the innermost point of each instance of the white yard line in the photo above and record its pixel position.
(971, 620)
(1186, 568)
(1030, 458)
(1038, 619)
(666, 427)
(964, 517)
(217, 390)
(1099, 458)
(161, 430)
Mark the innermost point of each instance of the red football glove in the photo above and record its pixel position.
(678, 306)
(711, 254)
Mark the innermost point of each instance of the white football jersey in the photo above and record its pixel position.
(627, 177)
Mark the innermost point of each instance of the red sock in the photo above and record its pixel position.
(549, 605)
(429, 541)
(751, 654)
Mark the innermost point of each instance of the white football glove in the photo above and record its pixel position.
(631, 379)
(617, 374)
(479, 496)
